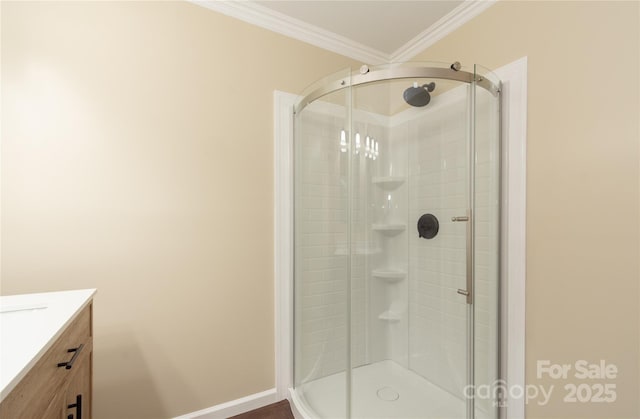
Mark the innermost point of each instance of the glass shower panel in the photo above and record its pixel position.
(379, 264)
(322, 253)
(487, 242)
(409, 326)
(439, 160)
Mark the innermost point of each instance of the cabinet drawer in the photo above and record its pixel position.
(36, 391)
(80, 385)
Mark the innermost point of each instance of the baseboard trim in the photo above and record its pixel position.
(234, 407)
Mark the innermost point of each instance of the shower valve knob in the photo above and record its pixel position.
(428, 226)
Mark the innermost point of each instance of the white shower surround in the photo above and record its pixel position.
(514, 131)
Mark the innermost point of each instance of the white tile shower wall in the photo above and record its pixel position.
(366, 247)
(389, 317)
(438, 184)
(321, 261)
(321, 244)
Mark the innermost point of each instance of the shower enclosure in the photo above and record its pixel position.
(396, 243)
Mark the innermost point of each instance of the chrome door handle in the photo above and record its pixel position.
(457, 219)
(463, 292)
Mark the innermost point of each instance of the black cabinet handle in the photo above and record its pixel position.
(68, 365)
(78, 407)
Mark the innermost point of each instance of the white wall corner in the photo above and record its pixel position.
(514, 202)
(283, 104)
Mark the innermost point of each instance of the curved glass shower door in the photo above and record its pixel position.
(413, 359)
(396, 244)
(486, 241)
(322, 252)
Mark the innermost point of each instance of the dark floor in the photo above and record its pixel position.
(279, 410)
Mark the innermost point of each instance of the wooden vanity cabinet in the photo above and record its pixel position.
(59, 384)
(77, 401)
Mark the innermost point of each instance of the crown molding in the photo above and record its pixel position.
(266, 18)
(272, 20)
(443, 27)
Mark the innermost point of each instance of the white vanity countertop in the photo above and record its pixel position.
(29, 325)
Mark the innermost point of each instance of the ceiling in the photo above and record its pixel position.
(382, 25)
(371, 31)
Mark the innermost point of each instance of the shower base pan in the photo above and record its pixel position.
(380, 390)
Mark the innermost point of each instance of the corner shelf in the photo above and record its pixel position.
(389, 229)
(389, 275)
(390, 316)
(388, 182)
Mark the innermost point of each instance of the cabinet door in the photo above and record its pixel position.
(78, 394)
(56, 408)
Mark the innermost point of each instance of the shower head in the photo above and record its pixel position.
(419, 95)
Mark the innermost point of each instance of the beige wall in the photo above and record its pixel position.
(582, 182)
(137, 159)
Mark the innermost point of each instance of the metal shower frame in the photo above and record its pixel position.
(365, 76)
